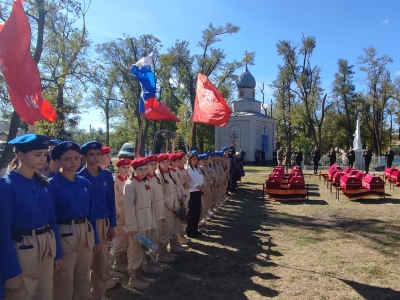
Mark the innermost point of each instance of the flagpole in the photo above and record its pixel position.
(191, 136)
(139, 143)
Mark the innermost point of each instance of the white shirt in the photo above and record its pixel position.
(195, 179)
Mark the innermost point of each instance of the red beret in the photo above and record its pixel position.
(181, 154)
(123, 162)
(173, 156)
(151, 157)
(162, 157)
(105, 150)
(138, 162)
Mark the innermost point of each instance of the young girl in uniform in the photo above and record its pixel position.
(45, 170)
(76, 219)
(157, 199)
(121, 239)
(170, 201)
(30, 238)
(139, 219)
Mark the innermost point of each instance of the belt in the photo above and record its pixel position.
(17, 235)
(72, 222)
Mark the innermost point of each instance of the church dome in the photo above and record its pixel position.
(246, 80)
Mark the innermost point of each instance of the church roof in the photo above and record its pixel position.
(246, 99)
(249, 114)
(246, 80)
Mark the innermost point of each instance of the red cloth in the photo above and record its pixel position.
(19, 69)
(210, 106)
(105, 150)
(158, 111)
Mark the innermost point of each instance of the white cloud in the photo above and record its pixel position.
(397, 73)
(385, 22)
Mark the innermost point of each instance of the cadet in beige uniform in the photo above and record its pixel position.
(157, 199)
(170, 201)
(121, 239)
(184, 177)
(139, 219)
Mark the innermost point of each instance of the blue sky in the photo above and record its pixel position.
(342, 29)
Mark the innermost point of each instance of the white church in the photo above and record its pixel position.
(248, 129)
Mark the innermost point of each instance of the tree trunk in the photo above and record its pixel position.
(106, 112)
(60, 114)
(143, 144)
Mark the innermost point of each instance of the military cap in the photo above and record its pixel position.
(54, 142)
(123, 162)
(89, 146)
(138, 162)
(63, 147)
(162, 157)
(151, 157)
(30, 142)
(105, 150)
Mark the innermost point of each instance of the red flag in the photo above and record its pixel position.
(19, 69)
(157, 111)
(210, 106)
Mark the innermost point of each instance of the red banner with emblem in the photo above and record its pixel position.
(19, 69)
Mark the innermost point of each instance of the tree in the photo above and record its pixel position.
(210, 62)
(343, 91)
(380, 90)
(307, 81)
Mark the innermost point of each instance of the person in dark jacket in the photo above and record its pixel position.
(351, 155)
(316, 156)
(332, 156)
(389, 157)
(298, 157)
(367, 154)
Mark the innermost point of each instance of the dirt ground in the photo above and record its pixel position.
(319, 249)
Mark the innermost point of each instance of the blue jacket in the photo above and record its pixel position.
(73, 200)
(25, 204)
(103, 194)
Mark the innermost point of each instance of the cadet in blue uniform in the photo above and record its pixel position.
(54, 167)
(76, 218)
(30, 238)
(104, 200)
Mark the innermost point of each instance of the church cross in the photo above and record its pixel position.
(234, 136)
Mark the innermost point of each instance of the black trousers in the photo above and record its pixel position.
(351, 163)
(194, 210)
(316, 166)
(389, 163)
(331, 163)
(367, 166)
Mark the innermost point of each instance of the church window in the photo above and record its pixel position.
(241, 94)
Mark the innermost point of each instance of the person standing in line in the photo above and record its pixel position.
(367, 154)
(29, 236)
(281, 156)
(257, 156)
(104, 199)
(389, 157)
(316, 156)
(332, 156)
(183, 177)
(139, 219)
(288, 159)
(196, 191)
(54, 167)
(351, 157)
(75, 213)
(298, 157)
(242, 154)
(105, 161)
(121, 239)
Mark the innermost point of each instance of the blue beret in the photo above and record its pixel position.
(211, 154)
(63, 147)
(202, 156)
(193, 152)
(225, 148)
(29, 142)
(89, 146)
(54, 142)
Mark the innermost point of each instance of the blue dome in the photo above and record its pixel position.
(246, 80)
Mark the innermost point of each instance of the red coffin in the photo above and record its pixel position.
(371, 181)
(348, 182)
(336, 177)
(279, 169)
(296, 182)
(360, 175)
(273, 182)
(348, 170)
(294, 174)
(296, 168)
(395, 175)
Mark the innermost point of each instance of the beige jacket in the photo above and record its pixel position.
(170, 198)
(157, 197)
(119, 198)
(137, 205)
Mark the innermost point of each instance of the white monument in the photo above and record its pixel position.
(357, 147)
(248, 129)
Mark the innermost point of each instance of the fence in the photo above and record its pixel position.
(378, 163)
